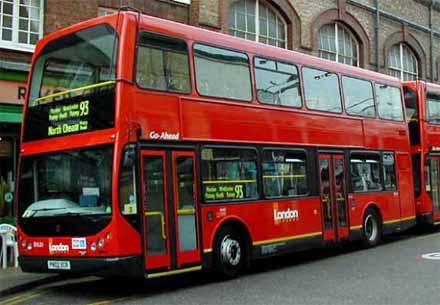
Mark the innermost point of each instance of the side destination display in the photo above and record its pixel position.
(73, 111)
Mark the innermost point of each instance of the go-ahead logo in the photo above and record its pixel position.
(163, 135)
(284, 215)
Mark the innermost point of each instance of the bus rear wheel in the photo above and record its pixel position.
(229, 253)
(372, 228)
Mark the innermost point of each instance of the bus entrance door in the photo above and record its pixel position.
(333, 196)
(170, 207)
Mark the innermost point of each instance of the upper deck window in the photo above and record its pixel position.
(277, 83)
(222, 73)
(358, 95)
(258, 21)
(321, 89)
(433, 108)
(162, 63)
(338, 44)
(22, 23)
(389, 102)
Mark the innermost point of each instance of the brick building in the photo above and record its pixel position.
(395, 37)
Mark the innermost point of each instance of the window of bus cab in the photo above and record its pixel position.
(72, 85)
(66, 193)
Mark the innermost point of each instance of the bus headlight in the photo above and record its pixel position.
(93, 246)
(101, 242)
(29, 246)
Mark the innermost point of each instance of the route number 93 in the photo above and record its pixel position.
(84, 108)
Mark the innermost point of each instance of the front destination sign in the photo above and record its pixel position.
(89, 109)
(68, 118)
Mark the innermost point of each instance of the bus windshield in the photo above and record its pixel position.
(72, 183)
(72, 87)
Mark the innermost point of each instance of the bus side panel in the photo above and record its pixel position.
(385, 135)
(384, 201)
(230, 122)
(266, 225)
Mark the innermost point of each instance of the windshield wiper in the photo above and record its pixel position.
(27, 214)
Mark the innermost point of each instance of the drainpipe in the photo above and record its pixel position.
(376, 30)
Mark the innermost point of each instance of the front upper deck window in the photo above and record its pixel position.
(433, 108)
(72, 88)
(162, 63)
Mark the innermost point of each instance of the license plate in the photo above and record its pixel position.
(58, 265)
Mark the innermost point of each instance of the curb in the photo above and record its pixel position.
(33, 284)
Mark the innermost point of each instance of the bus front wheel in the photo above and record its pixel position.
(229, 253)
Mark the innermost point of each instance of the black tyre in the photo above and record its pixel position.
(229, 253)
(372, 228)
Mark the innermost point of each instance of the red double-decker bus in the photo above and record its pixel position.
(152, 148)
(422, 102)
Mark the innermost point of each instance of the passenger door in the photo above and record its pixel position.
(333, 196)
(170, 226)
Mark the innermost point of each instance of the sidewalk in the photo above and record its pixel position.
(13, 280)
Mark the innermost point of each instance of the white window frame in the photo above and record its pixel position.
(104, 11)
(401, 70)
(257, 24)
(337, 25)
(14, 44)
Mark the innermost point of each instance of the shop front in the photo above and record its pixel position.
(11, 107)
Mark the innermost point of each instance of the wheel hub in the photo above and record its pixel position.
(230, 251)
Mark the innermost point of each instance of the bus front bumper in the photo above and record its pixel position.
(130, 266)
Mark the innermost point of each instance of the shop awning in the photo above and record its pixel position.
(11, 114)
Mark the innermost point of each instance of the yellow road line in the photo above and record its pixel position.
(22, 298)
(275, 240)
(107, 302)
(166, 273)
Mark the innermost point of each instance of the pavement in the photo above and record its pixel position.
(13, 280)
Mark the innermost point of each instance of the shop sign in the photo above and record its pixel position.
(12, 92)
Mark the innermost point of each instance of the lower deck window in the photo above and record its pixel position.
(229, 174)
(284, 173)
(365, 173)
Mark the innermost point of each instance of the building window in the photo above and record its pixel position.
(104, 11)
(402, 62)
(21, 23)
(258, 21)
(338, 44)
